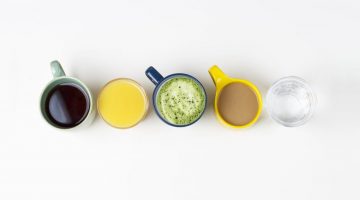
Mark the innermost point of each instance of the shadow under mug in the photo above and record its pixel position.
(59, 79)
(159, 81)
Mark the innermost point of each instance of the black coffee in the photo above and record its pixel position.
(67, 105)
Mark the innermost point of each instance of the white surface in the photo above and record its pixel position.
(262, 41)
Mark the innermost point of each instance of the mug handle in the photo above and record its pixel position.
(217, 75)
(56, 69)
(154, 75)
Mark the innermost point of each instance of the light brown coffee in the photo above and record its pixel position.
(237, 104)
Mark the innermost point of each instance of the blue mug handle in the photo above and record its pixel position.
(154, 75)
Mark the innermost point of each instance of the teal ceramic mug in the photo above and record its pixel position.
(66, 102)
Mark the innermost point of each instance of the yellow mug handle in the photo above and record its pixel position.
(219, 77)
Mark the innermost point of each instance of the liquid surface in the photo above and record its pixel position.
(290, 101)
(237, 104)
(122, 103)
(180, 100)
(67, 105)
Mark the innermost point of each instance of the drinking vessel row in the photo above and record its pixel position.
(178, 99)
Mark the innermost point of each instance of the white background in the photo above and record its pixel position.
(258, 40)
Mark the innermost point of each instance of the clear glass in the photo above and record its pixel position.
(290, 101)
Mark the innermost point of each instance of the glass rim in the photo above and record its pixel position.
(312, 99)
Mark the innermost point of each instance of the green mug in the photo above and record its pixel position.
(66, 102)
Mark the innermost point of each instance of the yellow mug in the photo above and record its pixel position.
(221, 81)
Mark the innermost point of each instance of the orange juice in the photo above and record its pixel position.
(122, 103)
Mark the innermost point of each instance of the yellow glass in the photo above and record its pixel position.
(122, 103)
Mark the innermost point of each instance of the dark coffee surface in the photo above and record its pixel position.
(67, 105)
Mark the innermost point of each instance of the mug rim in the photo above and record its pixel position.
(158, 86)
(82, 85)
(253, 88)
(141, 89)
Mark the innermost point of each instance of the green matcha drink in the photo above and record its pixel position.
(180, 100)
